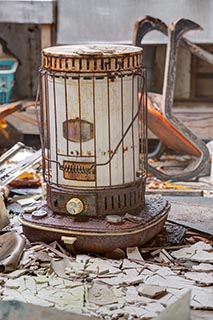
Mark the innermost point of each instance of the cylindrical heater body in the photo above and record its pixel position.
(91, 109)
(94, 143)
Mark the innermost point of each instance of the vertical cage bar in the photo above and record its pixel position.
(94, 121)
(47, 124)
(79, 104)
(41, 120)
(66, 111)
(109, 130)
(56, 127)
(146, 118)
(122, 128)
(143, 122)
(133, 126)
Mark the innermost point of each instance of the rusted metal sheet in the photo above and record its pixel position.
(99, 203)
(79, 171)
(98, 235)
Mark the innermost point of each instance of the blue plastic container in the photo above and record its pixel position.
(8, 68)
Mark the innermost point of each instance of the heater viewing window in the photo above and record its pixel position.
(77, 130)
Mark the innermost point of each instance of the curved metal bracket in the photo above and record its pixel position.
(175, 34)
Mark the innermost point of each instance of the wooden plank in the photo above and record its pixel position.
(46, 39)
(204, 87)
(8, 108)
(25, 122)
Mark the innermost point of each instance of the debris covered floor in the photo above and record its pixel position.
(128, 288)
(140, 283)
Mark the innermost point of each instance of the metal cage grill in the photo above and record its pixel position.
(93, 128)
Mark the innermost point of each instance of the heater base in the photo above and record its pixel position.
(98, 235)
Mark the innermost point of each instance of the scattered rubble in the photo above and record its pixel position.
(110, 289)
(141, 283)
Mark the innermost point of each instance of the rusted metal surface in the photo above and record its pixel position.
(98, 235)
(101, 202)
(177, 131)
(96, 58)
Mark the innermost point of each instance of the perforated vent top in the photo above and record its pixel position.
(92, 58)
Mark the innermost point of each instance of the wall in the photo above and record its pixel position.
(20, 26)
(24, 42)
(83, 21)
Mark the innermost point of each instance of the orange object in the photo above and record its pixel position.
(167, 133)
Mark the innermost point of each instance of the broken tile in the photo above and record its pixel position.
(131, 295)
(30, 297)
(16, 274)
(202, 298)
(133, 253)
(203, 267)
(169, 281)
(200, 277)
(59, 267)
(187, 253)
(25, 201)
(101, 294)
(202, 256)
(83, 258)
(154, 307)
(18, 283)
(127, 264)
(151, 291)
(12, 294)
(98, 267)
(56, 282)
(71, 284)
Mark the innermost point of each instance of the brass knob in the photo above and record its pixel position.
(74, 206)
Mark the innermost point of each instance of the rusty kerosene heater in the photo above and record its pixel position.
(94, 150)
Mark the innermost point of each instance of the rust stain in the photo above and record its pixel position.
(110, 152)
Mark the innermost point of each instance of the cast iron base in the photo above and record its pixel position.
(98, 235)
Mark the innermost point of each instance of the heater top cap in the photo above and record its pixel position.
(92, 58)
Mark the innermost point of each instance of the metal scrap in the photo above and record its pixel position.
(4, 213)
(11, 248)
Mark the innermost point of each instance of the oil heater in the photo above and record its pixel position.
(94, 143)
